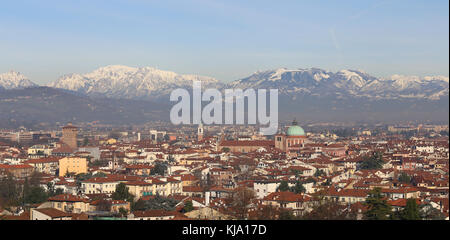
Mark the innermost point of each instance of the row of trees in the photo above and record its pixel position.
(379, 209)
(297, 188)
(376, 205)
(18, 193)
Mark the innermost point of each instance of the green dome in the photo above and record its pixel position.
(295, 130)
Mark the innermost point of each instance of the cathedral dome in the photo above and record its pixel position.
(295, 130)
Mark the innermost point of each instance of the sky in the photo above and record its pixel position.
(225, 39)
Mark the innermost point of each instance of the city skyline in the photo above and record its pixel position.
(224, 40)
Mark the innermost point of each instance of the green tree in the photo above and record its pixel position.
(188, 206)
(283, 187)
(166, 137)
(411, 211)
(225, 149)
(319, 173)
(104, 205)
(159, 169)
(85, 141)
(404, 178)
(298, 188)
(122, 193)
(286, 214)
(123, 212)
(139, 205)
(373, 162)
(378, 208)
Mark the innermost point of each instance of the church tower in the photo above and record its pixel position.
(200, 132)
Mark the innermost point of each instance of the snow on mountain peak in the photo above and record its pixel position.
(13, 79)
(128, 82)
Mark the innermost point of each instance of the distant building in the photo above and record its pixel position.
(75, 165)
(19, 171)
(200, 132)
(245, 146)
(292, 141)
(69, 136)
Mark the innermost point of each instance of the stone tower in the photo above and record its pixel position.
(69, 136)
(200, 132)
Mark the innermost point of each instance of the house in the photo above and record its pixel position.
(99, 185)
(400, 204)
(347, 196)
(265, 187)
(140, 188)
(19, 171)
(207, 213)
(49, 214)
(394, 194)
(152, 215)
(193, 191)
(47, 165)
(298, 203)
(138, 169)
(116, 205)
(69, 203)
(75, 165)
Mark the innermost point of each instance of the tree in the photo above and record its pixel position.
(35, 194)
(123, 212)
(286, 214)
(159, 169)
(283, 187)
(319, 173)
(166, 138)
(85, 141)
(428, 212)
(373, 162)
(171, 159)
(298, 188)
(378, 208)
(411, 211)
(225, 150)
(327, 182)
(327, 209)
(9, 191)
(122, 193)
(404, 178)
(188, 207)
(104, 205)
(266, 212)
(242, 198)
(159, 202)
(139, 205)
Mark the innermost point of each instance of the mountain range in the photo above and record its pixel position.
(312, 94)
(124, 82)
(15, 80)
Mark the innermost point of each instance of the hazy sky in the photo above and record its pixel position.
(224, 39)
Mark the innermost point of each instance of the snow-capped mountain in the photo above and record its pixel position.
(14, 80)
(345, 83)
(118, 81)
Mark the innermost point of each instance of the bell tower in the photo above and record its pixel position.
(200, 132)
